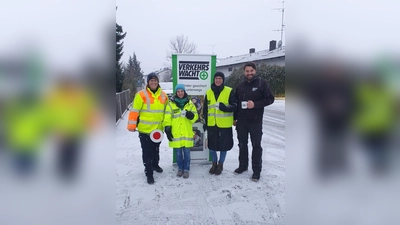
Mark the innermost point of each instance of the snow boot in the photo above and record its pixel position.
(240, 170)
(150, 179)
(219, 169)
(180, 173)
(158, 169)
(213, 168)
(186, 174)
(255, 177)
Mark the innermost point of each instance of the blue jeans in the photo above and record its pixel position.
(183, 158)
(214, 156)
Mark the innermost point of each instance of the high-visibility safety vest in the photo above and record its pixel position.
(181, 127)
(147, 111)
(216, 116)
(71, 112)
(25, 126)
(376, 109)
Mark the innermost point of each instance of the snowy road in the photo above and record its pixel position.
(203, 198)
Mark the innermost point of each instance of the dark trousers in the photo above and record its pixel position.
(255, 130)
(378, 151)
(332, 152)
(68, 157)
(24, 163)
(150, 153)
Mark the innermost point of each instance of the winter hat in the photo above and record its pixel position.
(220, 74)
(180, 86)
(152, 76)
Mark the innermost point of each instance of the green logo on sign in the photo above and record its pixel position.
(203, 75)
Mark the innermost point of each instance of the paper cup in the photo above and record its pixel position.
(244, 105)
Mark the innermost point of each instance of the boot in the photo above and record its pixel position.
(213, 168)
(150, 179)
(180, 173)
(219, 169)
(240, 170)
(158, 169)
(256, 176)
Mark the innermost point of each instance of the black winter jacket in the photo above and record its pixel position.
(258, 91)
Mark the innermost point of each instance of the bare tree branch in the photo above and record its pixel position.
(181, 44)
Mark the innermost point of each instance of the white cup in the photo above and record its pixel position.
(244, 104)
(217, 106)
(183, 113)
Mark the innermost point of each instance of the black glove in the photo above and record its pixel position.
(168, 132)
(204, 127)
(225, 108)
(189, 115)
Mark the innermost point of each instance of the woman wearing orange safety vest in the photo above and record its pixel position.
(146, 115)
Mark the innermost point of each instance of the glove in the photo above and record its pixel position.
(225, 108)
(168, 132)
(204, 127)
(189, 115)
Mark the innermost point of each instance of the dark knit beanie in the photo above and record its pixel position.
(220, 74)
(152, 76)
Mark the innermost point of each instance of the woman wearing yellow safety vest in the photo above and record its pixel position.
(220, 104)
(179, 116)
(146, 115)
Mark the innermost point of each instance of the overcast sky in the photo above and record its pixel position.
(356, 29)
(233, 27)
(62, 31)
(69, 32)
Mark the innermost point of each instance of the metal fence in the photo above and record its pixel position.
(123, 102)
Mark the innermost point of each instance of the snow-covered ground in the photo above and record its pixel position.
(203, 198)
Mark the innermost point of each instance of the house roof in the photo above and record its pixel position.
(162, 70)
(251, 57)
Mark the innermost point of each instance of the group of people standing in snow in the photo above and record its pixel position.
(222, 109)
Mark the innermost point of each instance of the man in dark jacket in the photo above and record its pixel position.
(220, 104)
(253, 94)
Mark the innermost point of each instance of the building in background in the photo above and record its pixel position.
(164, 75)
(271, 56)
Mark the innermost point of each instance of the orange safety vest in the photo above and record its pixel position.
(147, 111)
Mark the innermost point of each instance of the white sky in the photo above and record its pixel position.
(66, 33)
(232, 26)
(358, 29)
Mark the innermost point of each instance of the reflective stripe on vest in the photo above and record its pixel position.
(152, 114)
(152, 111)
(221, 115)
(216, 116)
(182, 138)
(181, 127)
(149, 122)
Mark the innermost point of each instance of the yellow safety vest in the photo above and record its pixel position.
(147, 112)
(71, 112)
(216, 116)
(181, 127)
(25, 127)
(376, 112)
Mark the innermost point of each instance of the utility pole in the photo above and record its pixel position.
(212, 48)
(282, 24)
